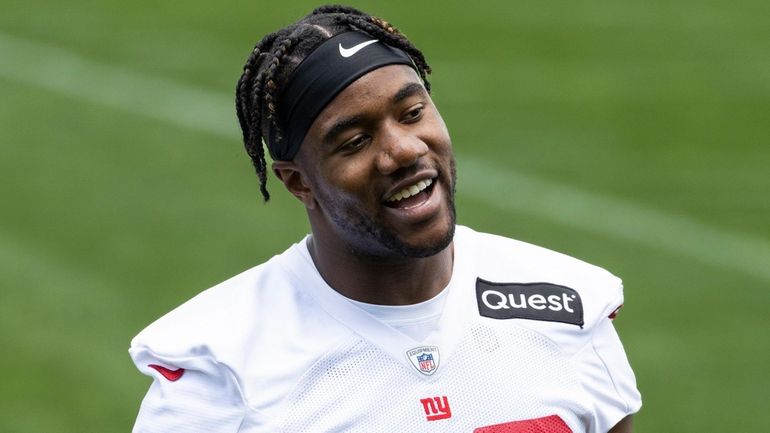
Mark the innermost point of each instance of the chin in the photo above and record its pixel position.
(367, 234)
(429, 238)
(424, 242)
(428, 249)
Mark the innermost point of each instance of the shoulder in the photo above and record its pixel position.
(237, 337)
(501, 258)
(220, 321)
(541, 289)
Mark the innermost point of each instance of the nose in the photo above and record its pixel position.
(399, 149)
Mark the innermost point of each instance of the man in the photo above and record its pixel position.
(387, 317)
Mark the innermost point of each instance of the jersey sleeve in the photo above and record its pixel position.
(606, 374)
(190, 394)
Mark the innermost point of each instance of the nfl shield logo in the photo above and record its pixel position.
(426, 362)
(424, 358)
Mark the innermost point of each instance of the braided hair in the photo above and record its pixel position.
(275, 57)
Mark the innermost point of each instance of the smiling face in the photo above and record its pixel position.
(376, 170)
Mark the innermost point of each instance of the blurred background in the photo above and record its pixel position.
(633, 135)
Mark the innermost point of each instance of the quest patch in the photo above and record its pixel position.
(533, 301)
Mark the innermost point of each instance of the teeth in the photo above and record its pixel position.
(410, 190)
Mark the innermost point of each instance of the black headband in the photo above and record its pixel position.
(323, 74)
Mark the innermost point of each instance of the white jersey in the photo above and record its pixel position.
(520, 341)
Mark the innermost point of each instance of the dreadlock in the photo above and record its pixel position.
(275, 57)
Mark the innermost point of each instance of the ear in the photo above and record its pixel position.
(295, 181)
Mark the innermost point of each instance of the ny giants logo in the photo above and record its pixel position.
(436, 408)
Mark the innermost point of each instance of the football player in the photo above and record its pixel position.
(388, 316)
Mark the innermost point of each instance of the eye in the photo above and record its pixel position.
(354, 144)
(413, 114)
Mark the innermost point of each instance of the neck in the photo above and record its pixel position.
(382, 280)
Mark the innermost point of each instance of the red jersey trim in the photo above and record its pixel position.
(548, 424)
(171, 375)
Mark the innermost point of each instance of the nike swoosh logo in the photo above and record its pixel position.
(172, 375)
(347, 52)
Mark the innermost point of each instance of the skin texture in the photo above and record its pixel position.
(379, 135)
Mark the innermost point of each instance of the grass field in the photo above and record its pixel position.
(633, 135)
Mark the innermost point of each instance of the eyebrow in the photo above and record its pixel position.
(408, 90)
(340, 126)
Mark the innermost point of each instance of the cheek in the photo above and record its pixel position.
(348, 178)
(441, 144)
(439, 134)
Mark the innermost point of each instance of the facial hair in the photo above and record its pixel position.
(383, 241)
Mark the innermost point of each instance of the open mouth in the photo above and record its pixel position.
(411, 195)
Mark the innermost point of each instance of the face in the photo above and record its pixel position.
(378, 169)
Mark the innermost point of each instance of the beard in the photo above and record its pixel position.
(391, 244)
(368, 236)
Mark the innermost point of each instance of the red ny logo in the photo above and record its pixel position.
(436, 408)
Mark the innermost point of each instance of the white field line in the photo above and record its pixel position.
(613, 217)
(70, 74)
(64, 72)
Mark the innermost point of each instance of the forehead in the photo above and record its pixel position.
(373, 91)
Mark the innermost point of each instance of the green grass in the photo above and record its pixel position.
(113, 212)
